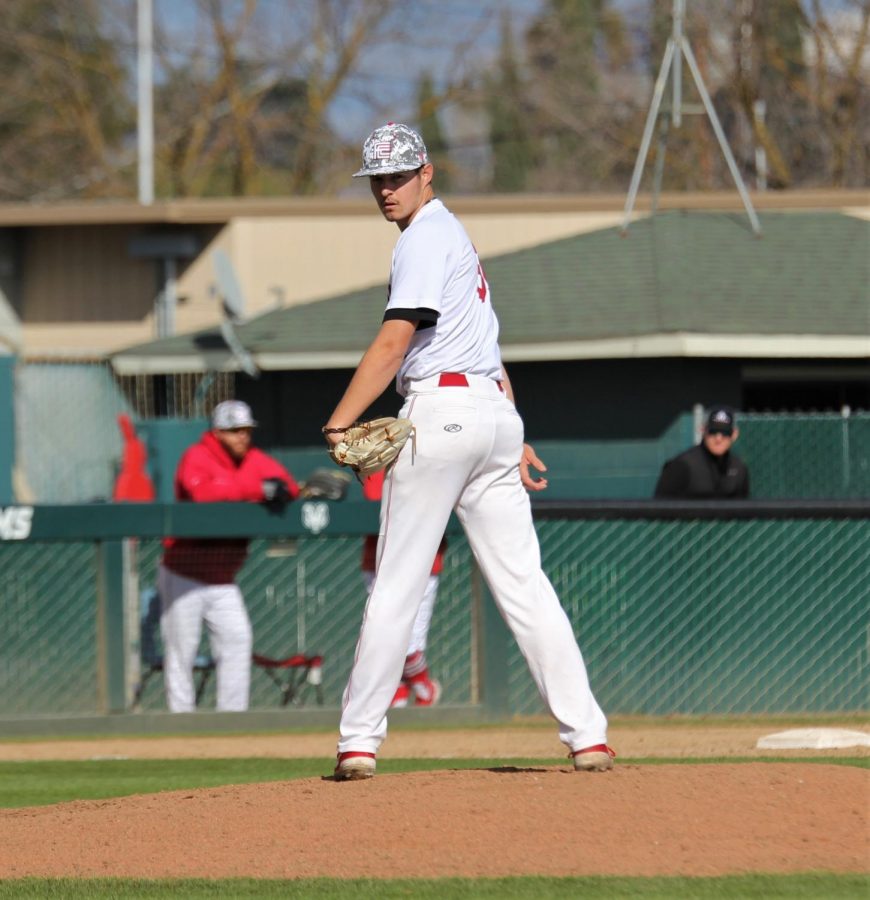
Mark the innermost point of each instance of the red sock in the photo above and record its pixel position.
(416, 667)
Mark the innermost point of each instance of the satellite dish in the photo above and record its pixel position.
(233, 306)
(228, 287)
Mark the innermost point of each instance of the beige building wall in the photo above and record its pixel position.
(315, 258)
(83, 295)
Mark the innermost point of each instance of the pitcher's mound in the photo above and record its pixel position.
(635, 820)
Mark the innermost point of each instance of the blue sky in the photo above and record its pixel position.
(387, 77)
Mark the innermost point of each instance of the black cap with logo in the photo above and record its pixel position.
(720, 420)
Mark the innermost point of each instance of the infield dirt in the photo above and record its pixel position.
(707, 819)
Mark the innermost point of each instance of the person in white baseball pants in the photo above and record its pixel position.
(439, 339)
(196, 578)
(187, 604)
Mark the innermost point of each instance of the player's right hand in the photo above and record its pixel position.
(530, 458)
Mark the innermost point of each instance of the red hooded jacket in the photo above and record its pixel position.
(208, 474)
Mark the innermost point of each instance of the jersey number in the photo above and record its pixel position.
(481, 283)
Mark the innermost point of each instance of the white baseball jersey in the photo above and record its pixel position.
(436, 271)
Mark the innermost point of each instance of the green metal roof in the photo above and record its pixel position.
(677, 273)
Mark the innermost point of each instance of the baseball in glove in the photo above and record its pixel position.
(325, 484)
(371, 446)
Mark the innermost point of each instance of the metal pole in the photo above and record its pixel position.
(759, 107)
(720, 136)
(697, 422)
(677, 34)
(167, 299)
(647, 134)
(845, 413)
(145, 112)
(660, 162)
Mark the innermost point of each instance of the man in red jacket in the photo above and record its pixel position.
(196, 581)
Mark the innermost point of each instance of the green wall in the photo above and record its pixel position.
(7, 427)
(731, 616)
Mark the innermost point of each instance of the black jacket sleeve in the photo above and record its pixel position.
(743, 488)
(673, 480)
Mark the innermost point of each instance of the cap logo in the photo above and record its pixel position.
(722, 417)
(392, 148)
(383, 149)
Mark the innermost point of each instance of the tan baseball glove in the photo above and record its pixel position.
(371, 446)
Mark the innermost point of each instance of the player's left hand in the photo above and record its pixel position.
(530, 458)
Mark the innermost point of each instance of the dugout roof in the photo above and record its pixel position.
(679, 284)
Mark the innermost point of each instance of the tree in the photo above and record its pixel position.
(508, 129)
(771, 71)
(430, 130)
(839, 88)
(581, 101)
(64, 110)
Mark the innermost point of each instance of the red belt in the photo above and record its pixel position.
(452, 379)
(457, 379)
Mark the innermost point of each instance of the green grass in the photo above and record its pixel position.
(737, 887)
(45, 782)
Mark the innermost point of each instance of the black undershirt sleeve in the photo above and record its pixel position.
(424, 317)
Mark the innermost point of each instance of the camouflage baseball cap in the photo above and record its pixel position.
(392, 148)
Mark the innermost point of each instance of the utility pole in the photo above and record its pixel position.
(145, 110)
(676, 49)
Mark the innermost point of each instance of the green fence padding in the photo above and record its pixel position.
(809, 456)
(165, 441)
(764, 615)
(7, 427)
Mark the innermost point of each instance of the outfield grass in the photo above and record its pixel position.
(736, 887)
(45, 782)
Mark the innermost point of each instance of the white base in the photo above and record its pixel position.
(814, 739)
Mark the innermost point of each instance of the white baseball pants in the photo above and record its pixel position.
(185, 604)
(468, 446)
(420, 630)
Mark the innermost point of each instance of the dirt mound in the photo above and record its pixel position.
(635, 820)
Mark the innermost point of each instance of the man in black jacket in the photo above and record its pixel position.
(709, 471)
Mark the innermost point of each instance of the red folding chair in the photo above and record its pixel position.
(297, 674)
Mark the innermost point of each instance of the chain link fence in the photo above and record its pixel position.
(68, 442)
(757, 616)
(713, 617)
(807, 456)
(307, 595)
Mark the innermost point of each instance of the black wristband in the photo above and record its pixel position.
(326, 430)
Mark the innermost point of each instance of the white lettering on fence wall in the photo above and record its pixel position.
(15, 523)
(315, 516)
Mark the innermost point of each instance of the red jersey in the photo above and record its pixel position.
(208, 474)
